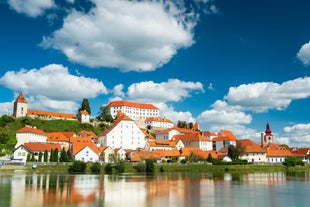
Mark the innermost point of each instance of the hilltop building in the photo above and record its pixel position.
(134, 111)
(21, 110)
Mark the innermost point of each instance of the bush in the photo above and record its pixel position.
(150, 168)
(293, 161)
(183, 161)
(77, 167)
(108, 168)
(120, 166)
(140, 167)
(95, 167)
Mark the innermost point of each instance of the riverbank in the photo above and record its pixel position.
(129, 168)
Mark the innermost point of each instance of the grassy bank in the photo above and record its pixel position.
(129, 168)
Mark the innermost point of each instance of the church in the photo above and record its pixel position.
(21, 110)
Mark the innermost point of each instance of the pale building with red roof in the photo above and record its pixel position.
(133, 110)
(251, 151)
(168, 134)
(84, 149)
(123, 133)
(152, 145)
(29, 134)
(276, 153)
(158, 122)
(194, 140)
(224, 139)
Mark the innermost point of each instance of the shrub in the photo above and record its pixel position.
(120, 166)
(293, 161)
(149, 168)
(95, 167)
(140, 167)
(77, 167)
(183, 161)
(108, 168)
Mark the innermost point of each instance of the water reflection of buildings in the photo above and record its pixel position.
(56, 190)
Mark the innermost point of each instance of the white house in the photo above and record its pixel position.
(133, 110)
(29, 134)
(20, 153)
(83, 116)
(224, 139)
(251, 151)
(152, 145)
(195, 140)
(152, 122)
(105, 154)
(168, 134)
(123, 133)
(84, 149)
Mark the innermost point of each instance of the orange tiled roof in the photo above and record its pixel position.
(209, 134)
(162, 143)
(57, 137)
(300, 151)
(157, 119)
(84, 112)
(181, 130)
(250, 146)
(21, 99)
(148, 135)
(186, 152)
(41, 147)
(131, 104)
(191, 137)
(80, 143)
(137, 156)
(86, 133)
(28, 129)
(225, 135)
(279, 153)
(51, 114)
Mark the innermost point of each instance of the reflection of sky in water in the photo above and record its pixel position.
(174, 189)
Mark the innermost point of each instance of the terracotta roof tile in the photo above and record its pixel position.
(250, 146)
(51, 114)
(41, 147)
(28, 129)
(21, 99)
(157, 119)
(191, 137)
(57, 137)
(80, 143)
(131, 104)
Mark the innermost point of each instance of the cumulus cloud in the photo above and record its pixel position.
(31, 8)
(299, 134)
(175, 116)
(53, 85)
(6, 108)
(304, 54)
(262, 96)
(173, 90)
(130, 35)
(118, 90)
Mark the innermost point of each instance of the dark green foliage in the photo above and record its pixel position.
(77, 167)
(210, 158)
(150, 168)
(63, 156)
(4, 138)
(40, 157)
(184, 124)
(120, 166)
(293, 161)
(233, 152)
(55, 157)
(108, 168)
(183, 161)
(161, 169)
(104, 114)
(85, 105)
(28, 158)
(32, 158)
(4, 120)
(95, 167)
(45, 156)
(140, 167)
(52, 155)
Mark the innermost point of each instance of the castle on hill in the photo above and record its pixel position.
(21, 110)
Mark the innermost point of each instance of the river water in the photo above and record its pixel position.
(167, 189)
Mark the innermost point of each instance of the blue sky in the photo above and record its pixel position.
(227, 64)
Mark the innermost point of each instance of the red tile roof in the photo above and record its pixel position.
(21, 99)
(187, 152)
(148, 135)
(158, 119)
(41, 147)
(250, 146)
(190, 137)
(300, 152)
(225, 135)
(51, 114)
(80, 143)
(57, 137)
(33, 130)
(84, 112)
(162, 143)
(131, 104)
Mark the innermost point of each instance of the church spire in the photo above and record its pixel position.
(268, 130)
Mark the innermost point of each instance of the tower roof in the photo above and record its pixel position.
(21, 98)
(268, 130)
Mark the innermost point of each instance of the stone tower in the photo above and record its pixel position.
(20, 106)
(267, 137)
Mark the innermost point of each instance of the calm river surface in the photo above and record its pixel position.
(167, 189)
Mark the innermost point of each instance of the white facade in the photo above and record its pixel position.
(217, 145)
(275, 159)
(149, 147)
(87, 155)
(167, 135)
(105, 155)
(20, 109)
(25, 137)
(160, 123)
(256, 157)
(20, 154)
(83, 117)
(126, 134)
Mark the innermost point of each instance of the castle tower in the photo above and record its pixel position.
(267, 137)
(20, 106)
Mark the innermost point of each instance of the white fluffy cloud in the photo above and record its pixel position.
(118, 90)
(262, 96)
(170, 113)
(6, 108)
(32, 8)
(299, 134)
(52, 86)
(304, 54)
(173, 90)
(130, 35)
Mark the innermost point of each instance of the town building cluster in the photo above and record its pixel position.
(138, 133)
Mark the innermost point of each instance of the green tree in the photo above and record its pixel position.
(77, 167)
(210, 158)
(104, 114)
(85, 105)
(32, 158)
(4, 138)
(56, 156)
(108, 168)
(233, 152)
(63, 156)
(95, 167)
(293, 161)
(150, 168)
(28, 158)
(52, 155)
(45, 156)
(5, 119)
(40, 157)
(120, 166)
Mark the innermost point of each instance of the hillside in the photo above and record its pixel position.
(9, 126)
